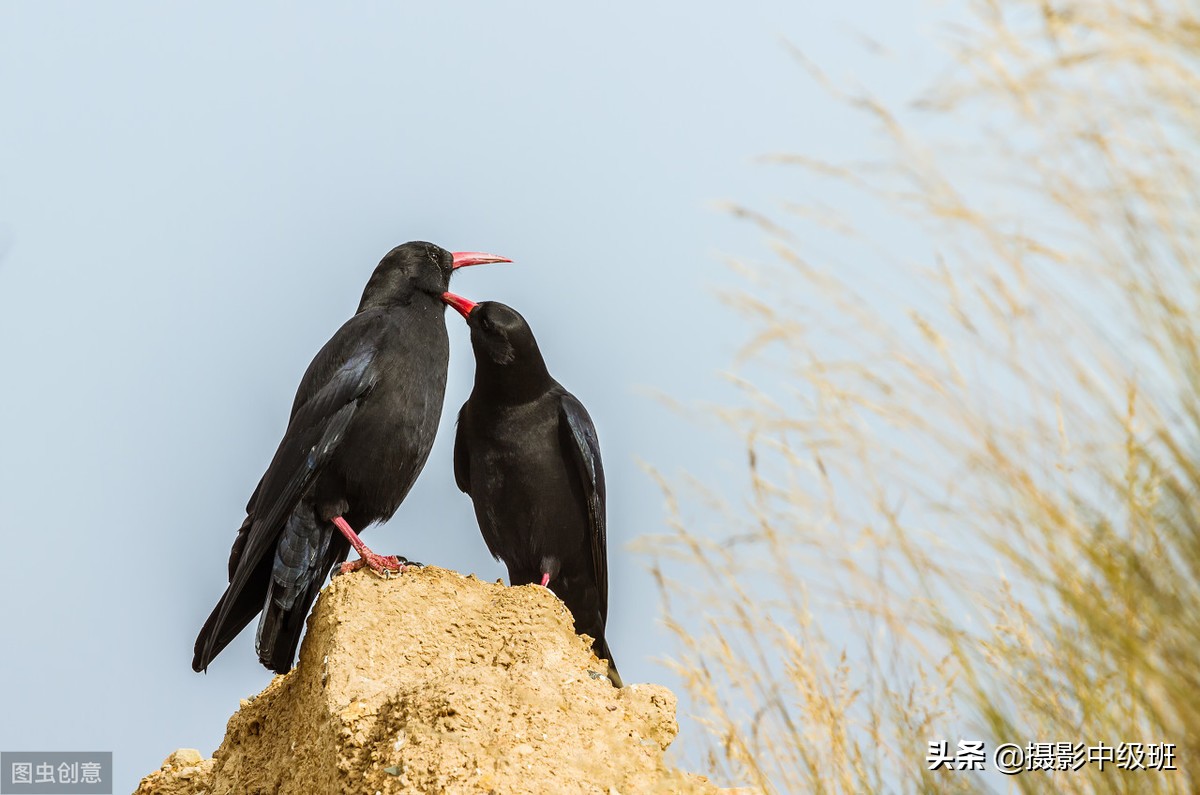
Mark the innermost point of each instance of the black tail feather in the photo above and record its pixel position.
(600, 646)
(212, 638)
(282, 622)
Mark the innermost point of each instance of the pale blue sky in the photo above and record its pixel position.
(191, 199)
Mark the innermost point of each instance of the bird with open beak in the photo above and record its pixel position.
(361, 428)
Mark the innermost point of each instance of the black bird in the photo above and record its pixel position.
(526, 452)
(361, 427)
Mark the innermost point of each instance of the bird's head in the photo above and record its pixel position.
(415, 268)
(499, 335)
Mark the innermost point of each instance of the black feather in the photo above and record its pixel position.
(527, 453)
(361, 428)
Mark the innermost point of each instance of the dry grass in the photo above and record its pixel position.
(971, 493)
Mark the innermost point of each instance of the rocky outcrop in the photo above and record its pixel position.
(431, 682)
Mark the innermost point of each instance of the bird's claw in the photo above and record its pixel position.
(385, 566)
(402, 564)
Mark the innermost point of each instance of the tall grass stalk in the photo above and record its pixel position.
(971, 494)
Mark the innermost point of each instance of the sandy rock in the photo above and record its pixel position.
(182, 773)
(432, 682)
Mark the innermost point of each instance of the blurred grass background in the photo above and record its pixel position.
(970, 488)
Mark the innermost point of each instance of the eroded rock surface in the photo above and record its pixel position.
(432, 682)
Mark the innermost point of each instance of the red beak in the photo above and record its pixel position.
(463, 305)
(464, 258)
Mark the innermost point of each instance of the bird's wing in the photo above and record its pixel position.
(239, 543)
(357, 335)
(462, 455)
(317, 428)
(583, 449)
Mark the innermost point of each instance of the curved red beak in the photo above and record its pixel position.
(464, 258)
(463, 305)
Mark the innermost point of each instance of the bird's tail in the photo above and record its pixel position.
(603, 652)
(217, 633)
(303, 557)
(589, 618)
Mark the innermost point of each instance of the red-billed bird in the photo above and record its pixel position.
(361, 427)
(527, 454)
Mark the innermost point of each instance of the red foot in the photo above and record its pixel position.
(384, 565)
(545, 579)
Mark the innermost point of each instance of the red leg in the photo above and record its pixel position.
(380, 564)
